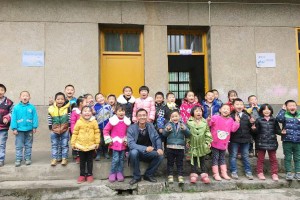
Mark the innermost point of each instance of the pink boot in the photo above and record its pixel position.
(120, 177)
(224, 172)
(112, 177)
(193, 177)
(216, 175)
(204, 178)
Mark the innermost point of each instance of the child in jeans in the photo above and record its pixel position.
(115, 135)
(266, 127)
(6, 106)
(199, 144)
(289, 116)
(24, 122)
(175, 132)
(58, 121)
(86, 138)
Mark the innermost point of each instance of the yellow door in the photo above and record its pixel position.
(121, 61)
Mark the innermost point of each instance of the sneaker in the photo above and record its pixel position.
(120, 177)
(98, 157)
(297, 176)
(28, 162)
(90, 179)
(249, 176)
(80, 179)
(106, 155)
(180, 179)
(64, 162)
(289, 176)
(1, 163)
(18, 163)
(77, 160)
(53, 162)
(275, 177)
(261, 176)
(171, 179)
(234, 175)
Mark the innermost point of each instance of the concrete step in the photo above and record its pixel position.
(69, 189)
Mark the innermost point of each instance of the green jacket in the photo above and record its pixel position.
(199, 140)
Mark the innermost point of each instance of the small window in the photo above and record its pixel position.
(122, 42)
(188, 41)
(112, 42)
(179, 83)
(131, 42)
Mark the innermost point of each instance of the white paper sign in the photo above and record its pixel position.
(185, 51)
(265, 60)
(33, 59)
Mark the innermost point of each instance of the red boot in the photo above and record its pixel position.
(204, 178)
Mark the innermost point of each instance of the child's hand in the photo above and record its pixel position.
(169, 128)
(182, 126)
(283, 107)
(160, 130)
(208, 119)
(209, 145)
(97, 146)
(237, 118)
(73, 147)
(33, 130)
(5, 121)
(187, 145)
(283, 132)
(15, 132)
(125, 143)
(51, 101)
(253, 127)
(110, 144)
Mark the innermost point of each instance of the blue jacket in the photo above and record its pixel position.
(214, 108)
(133, 134)
(176, 135)
(291, 124)
(24, 117)
(103, 113)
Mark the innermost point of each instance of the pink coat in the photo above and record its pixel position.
(115, 132)
(221, 128)
(148, 104)
(185, 110)
(75, 115)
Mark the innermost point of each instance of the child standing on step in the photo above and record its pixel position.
(128, 100)
(24, 122)
(221, 127)
(199, 144)
(175, 132)
(265, 129)
(115, 135)
(86, 138)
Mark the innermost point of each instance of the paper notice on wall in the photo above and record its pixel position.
(33, 59)
(185, 51)
(265, 60)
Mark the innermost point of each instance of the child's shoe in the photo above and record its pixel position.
(98, 157)
(234, 175)
(275, 177)
(289, 176)
(216, 175)
(77, 160)
(193, 177)
(224, 172)
(80, 179)
(120, 177)
(112, 177)
(249, 176)
(204, 178)
(28, 162)
(18, 163)
(261, 176)
(106, 155)
(297, 176)
(180, 179)
(171, 179)
(90, 179)
(53, 162)
(64, 162)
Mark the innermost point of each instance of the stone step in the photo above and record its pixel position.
(69, 189)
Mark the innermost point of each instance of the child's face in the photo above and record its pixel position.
(60, 100)
(198, 113)
(291, 107)
(120, 113)
(266, 112)
(2, 92)
(127, 92)
(111, 100)
(232, 96)
(196, 100)
(100, 99)
(90, 100)
(24, 97)
(171, 98)
(190, 97)
(69, 91)
(175, 117)
(86, 113)
(238, 106)
(143, 94)
(225, 111)
(253, 101)
(209, 97)
(216, 93)
(159, 99)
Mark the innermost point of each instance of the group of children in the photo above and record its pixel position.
(196, 129)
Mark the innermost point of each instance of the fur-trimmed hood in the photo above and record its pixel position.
(114, 120)
(121, 99)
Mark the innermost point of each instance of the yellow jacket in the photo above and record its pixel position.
(86, 135)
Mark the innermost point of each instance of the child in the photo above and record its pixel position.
(266, 127)
(160, 110)
(75, 115)
(176, 133)
(199, 144)
(58, 121)
(24, 122)
(210, 105)
(221, 127)
(240, 139)
(69, 92)
(103, 113)
(170, 106)
(232, 94)
(86, 138)
(115, 135)
(112, 101)
(6, 106)
(289, 116)
(145, 102)
(216, 94)
(128, 100)
(187, 104)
